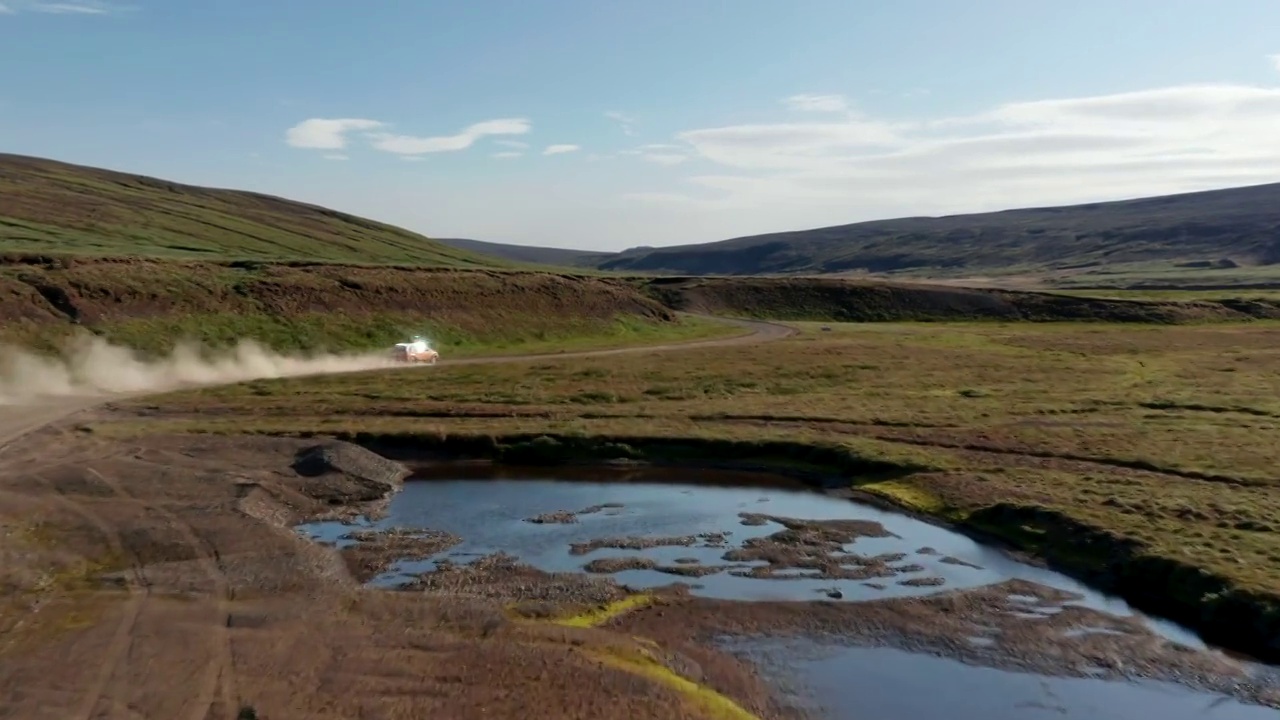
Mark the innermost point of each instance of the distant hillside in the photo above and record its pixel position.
(559, 257)
(1233, 229)
(54, 207)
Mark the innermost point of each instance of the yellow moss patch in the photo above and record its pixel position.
(20, 626)
(912, 497)
(605, 613)
(716, 705)
(642, 662)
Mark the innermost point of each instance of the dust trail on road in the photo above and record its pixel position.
(89, 366)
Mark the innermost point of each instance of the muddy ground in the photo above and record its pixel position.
(180, 590)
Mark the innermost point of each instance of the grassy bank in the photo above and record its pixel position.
(1142, 457)
(152, 305)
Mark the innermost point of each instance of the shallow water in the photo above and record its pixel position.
(490, 515)
(860, 683)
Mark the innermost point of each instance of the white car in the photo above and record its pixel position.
(415, 351)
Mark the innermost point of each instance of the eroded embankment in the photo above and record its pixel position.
(152, 304)
(1224, 615)
(841, 300)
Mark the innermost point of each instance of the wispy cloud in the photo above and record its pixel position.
(626, 122)
(664, 158)
(519, 145)
(336, 156)
(816, 103)
(326, 133)
(1075, 149)
(413, 145)
(507, 155)
(72, 7)
(69, 9)
(333, 134)
(658, 153)
(1275, 61)
(560, 149)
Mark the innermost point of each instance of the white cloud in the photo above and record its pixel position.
(80, 7)
(664, 158)
(69, 9)
(507, 155)
(626, 122)
(560, 149)
(1275, 61)
(658, 153)
(326, 134)
(817, 103)
(1018, 154)
(72, 7)
(411, 145)
(336, 156)
(790, 145)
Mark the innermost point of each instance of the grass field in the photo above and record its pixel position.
(312, 332)
(51, 207)
(1142, 456)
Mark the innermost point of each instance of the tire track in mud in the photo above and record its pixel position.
(137, 589)
(221, 674)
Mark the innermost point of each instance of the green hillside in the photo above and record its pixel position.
(50, 207)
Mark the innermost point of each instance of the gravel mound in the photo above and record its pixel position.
(350, 460)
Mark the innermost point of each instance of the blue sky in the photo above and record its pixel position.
(677, 121)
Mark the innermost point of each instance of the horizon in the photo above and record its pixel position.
(845, 120)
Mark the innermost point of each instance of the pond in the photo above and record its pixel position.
(838, 682)
(492, 515)
(759, 538)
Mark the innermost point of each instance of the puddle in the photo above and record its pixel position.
(497, 515)
(860, 683)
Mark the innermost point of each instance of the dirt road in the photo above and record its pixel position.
(18, 420)
(213, 605)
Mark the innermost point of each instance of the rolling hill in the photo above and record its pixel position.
(560, 257)
(1225, 233)
(54, 207)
